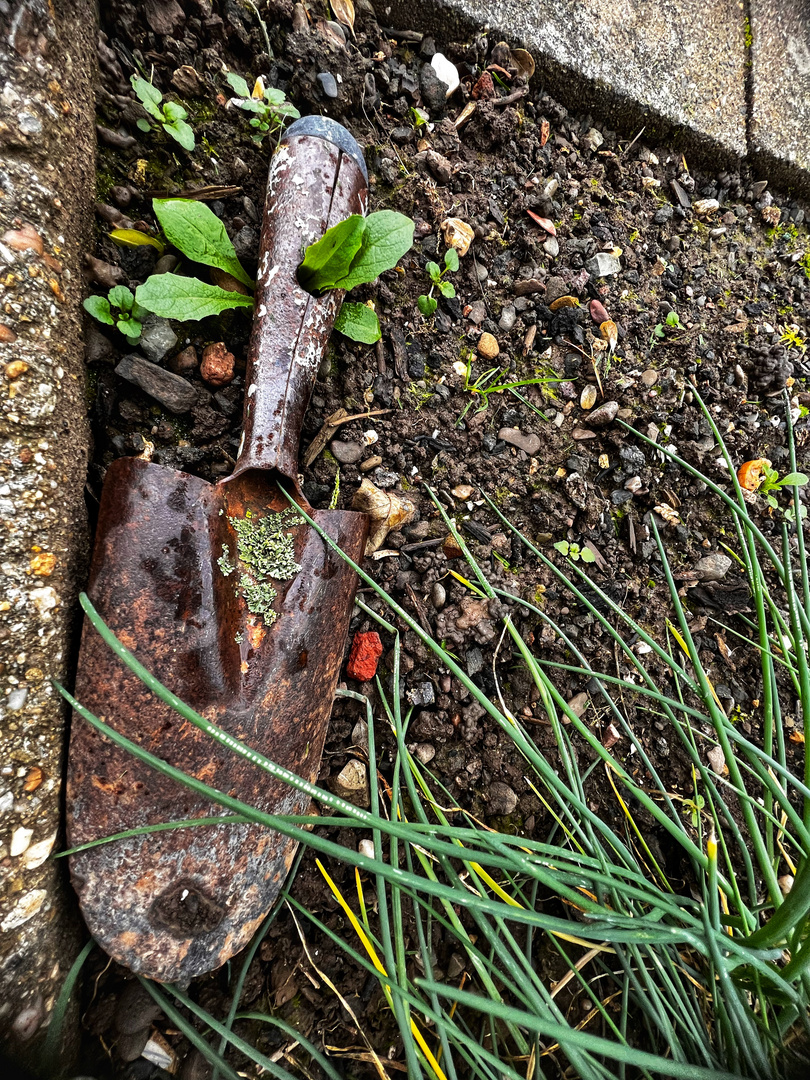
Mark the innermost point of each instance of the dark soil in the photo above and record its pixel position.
(736, 277)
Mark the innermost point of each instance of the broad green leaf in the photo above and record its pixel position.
(427, 305)
(143, 125)
(562, 546)
(182, 133)
(446, 289)
(451, 259)
(273, 96)
(358, 322)
(99, 308)
(195, 230)
(173, 111)
(386, 238)
(121, 297)
(587, 555)
(250, 104)
(238, 85)
(434, 271)
(130, 328)
(135, 238)
(174, 297)
(794, 479)
(150, 97)
(329, 259)
(287, 110)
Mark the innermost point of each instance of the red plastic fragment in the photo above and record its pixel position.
(365, 653)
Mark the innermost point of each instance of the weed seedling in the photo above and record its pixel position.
(427, 304)
(196, 231)
(489, 383)
(355, 252)
(791, 337)
(672, 322)
(771, 483)
(171, 116)
(269, 107)
(119, 309)
(575, 552)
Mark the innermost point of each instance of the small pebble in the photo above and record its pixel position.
(530, 443)
(552, 247)
(446, 71)
(578, 704)
(488, 347)
(587, 399)
(463, 491)
(184, 362)
(604, 415)
(157, 338)
(713, 567)
(424, 752)
(649, 377)
(370, 463)
(598, 312)
(507, 320)
(170, 390)
(328, 84)
(217, 364)
(438, 595)
(502, 799)
(347, 453)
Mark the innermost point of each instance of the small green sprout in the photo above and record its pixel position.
(575, 552)
(671, 322)
(791, 337)
(771, 483)
(428, 304)
(119, 309)
(270, 107)
(171, 116)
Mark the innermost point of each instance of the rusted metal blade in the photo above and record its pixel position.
(174, 904)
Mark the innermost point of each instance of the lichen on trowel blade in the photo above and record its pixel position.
(265, 552)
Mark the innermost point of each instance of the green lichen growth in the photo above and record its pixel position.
(224, 563)
(266, 553)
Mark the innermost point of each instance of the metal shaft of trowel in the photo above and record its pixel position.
(317, 179)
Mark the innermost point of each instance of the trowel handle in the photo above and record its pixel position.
(317, 178)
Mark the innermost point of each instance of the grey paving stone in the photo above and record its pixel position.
(780, 90)
(676, 65)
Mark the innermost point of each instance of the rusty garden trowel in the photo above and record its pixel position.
(259, 660)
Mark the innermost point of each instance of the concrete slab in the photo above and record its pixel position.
(675, 65)
(779, 129)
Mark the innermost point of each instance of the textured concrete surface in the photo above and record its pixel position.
(677, 66)
(47, 181)
(699, 74)
(780, 90)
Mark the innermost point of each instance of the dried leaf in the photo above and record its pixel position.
(343, 10)
(133, 238)
(524, 62)
(457, 234)
(545, 131)
(465, 114)
(750, 473)
(386, 510)
(563, 302)
(610, 332)
(543, 222)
